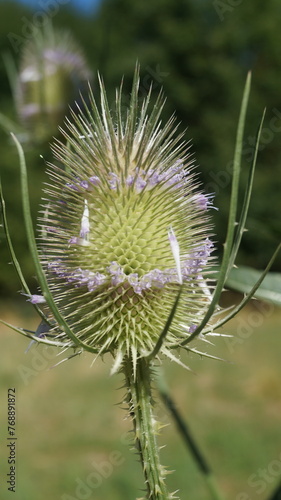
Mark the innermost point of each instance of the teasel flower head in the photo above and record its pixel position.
(52, 72)
(125, 232)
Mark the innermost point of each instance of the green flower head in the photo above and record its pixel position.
(123, 229)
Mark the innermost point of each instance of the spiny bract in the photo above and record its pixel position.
(123, 226)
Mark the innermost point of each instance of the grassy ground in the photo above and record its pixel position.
(71, 430)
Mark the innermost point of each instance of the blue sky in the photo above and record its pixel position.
(84, 6)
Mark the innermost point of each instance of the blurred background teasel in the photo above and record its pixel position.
(52, 72)
(52, 75)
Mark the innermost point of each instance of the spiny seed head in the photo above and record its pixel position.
(52, 71)
(123, 226)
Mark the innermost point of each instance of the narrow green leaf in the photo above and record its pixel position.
(165, 330)
(13, 255)
(247, 197)
(10, 245)
(232, 213)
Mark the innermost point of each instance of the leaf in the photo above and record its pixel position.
(243, 278)
(165, 330)
(246, 202)
(228, 245)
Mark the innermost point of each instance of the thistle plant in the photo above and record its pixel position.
(52, 71)
(124, 252)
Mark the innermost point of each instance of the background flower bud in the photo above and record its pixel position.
(52, 73)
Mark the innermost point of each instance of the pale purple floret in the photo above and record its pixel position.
(204, 253)
(94, 180)
(140, 179)
(84, 184)
(190, 268)
(117, 273)
(72, 186)
(204, 201)
(140, 184)
(74, 240)
(154, 178)
(113, 180)
(201, 201)
(130, 180)
(96, 281)
(133, 279)
(155, 278)
(36, 299)
(57, 267)
(79, 277)
(192, 328)
(194, 265)
(172, 176)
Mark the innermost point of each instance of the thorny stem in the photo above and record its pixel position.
(145, 427)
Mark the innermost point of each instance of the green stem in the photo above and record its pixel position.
(145, 427)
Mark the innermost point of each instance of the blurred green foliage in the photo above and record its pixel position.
(199, 53)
